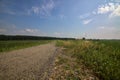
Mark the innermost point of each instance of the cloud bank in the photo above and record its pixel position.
(112, 8)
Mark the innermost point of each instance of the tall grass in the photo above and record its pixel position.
(103, 57)
(12, 45)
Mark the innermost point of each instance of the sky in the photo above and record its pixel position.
(93, 19)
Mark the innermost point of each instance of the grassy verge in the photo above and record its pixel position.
(13, 45)
(100, 58)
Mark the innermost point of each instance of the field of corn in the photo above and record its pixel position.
(13, 45)
(100, 58)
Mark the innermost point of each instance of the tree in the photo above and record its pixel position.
(83, 38)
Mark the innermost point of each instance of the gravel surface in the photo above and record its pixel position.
(27, 64)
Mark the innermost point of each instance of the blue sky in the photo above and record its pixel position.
(95, 19)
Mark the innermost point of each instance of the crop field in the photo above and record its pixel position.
(81, 58)
(13, 45)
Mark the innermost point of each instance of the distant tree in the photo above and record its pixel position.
(83, 38)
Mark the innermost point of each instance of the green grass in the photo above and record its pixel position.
(103, 57)
(13, 45)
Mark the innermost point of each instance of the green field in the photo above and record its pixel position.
(102, 57)
(13, 45)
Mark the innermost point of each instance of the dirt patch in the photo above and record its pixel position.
(27, 64)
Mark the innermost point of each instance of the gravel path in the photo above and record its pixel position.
(27, 64)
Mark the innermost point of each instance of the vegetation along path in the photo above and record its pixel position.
(27, 64)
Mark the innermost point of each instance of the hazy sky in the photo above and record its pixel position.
(61, 18)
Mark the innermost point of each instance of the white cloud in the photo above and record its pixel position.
(106, 8)
(58, 34)
(45, 9)
(112, 8)
(31, 30)
(87, 21)
(36, 10)
(2, 30)
(84, 16)
(116, 12)
(12, 29)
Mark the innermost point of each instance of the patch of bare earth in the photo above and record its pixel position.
(67, 68)
(28, 64)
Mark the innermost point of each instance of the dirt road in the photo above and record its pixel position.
(27, 64)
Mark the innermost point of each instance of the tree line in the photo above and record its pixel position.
(25, 37)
